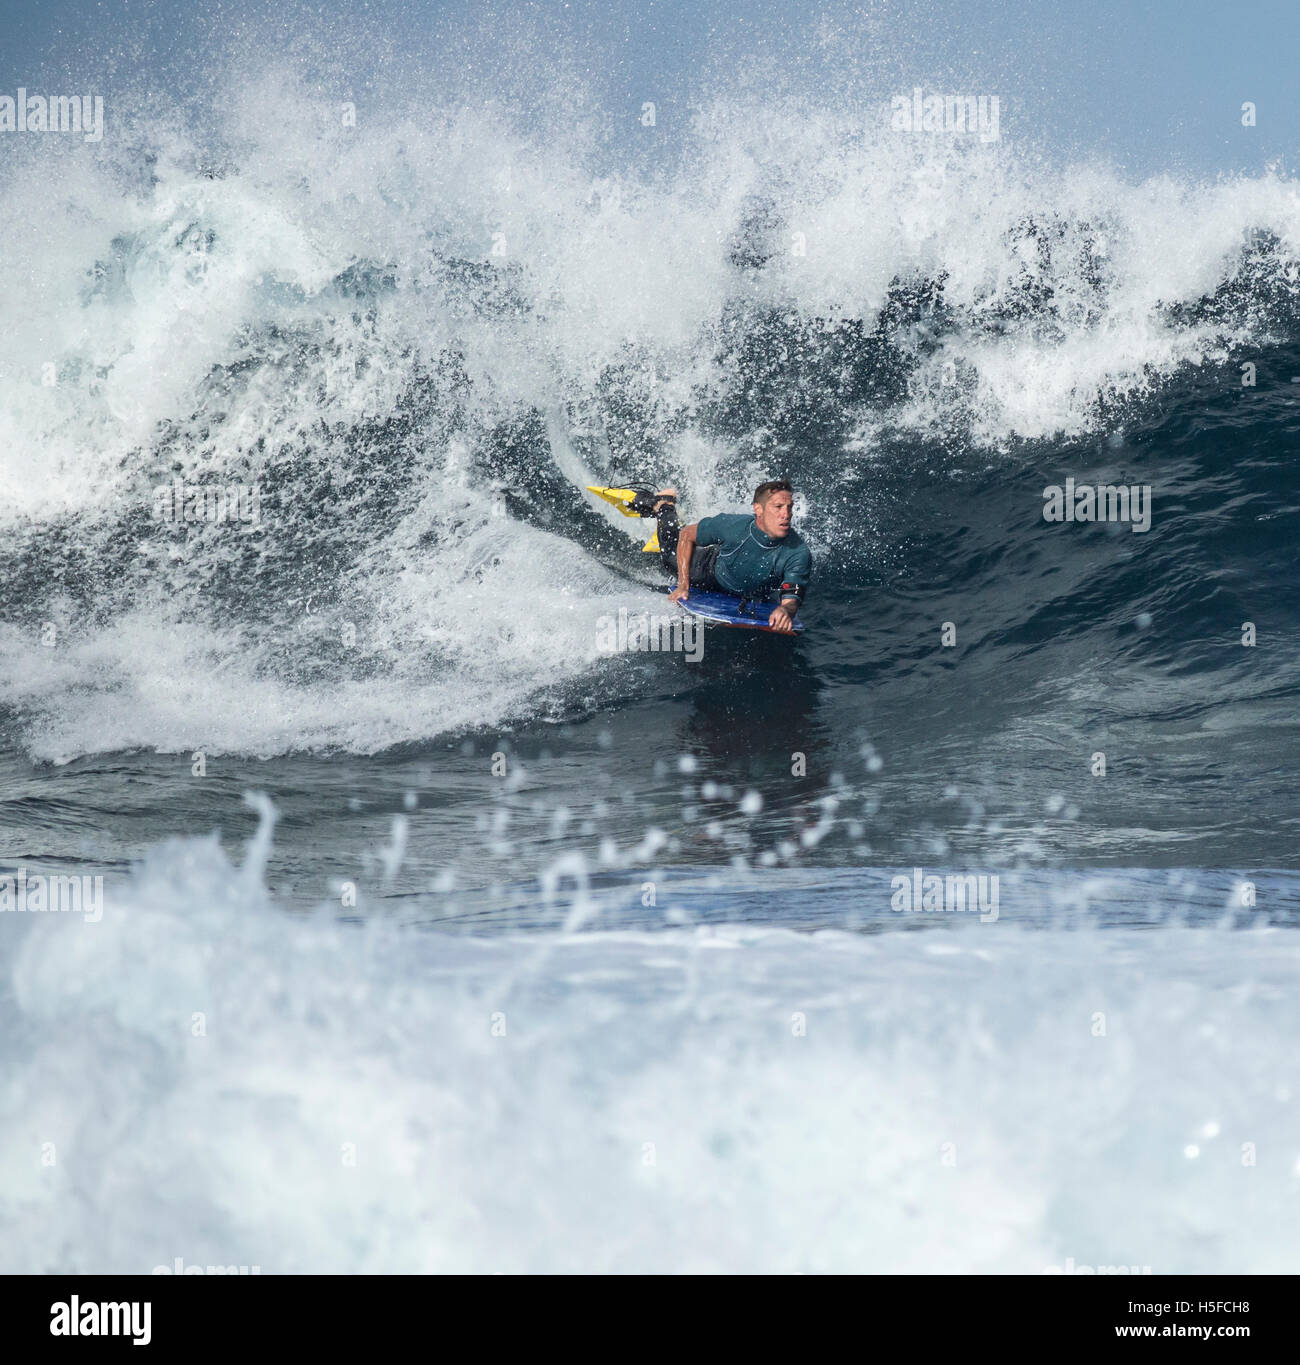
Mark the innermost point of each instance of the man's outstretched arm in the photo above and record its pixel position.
(685, 549)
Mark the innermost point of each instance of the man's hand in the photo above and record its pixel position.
(781, 619)
(679, 594)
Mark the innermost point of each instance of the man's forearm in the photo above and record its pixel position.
(685, 549)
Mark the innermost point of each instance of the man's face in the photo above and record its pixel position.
(773, 516)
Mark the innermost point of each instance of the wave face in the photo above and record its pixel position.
(416, 338)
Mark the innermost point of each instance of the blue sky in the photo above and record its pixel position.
(1148, 86)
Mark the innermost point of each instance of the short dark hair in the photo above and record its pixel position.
(765, 490)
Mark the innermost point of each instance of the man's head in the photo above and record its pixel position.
(773, 507)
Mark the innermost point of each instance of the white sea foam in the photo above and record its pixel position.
(204, 1075)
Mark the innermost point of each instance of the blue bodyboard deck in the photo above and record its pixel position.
(722, 609)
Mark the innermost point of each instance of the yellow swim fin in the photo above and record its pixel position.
(622, 498)
(616, 497)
